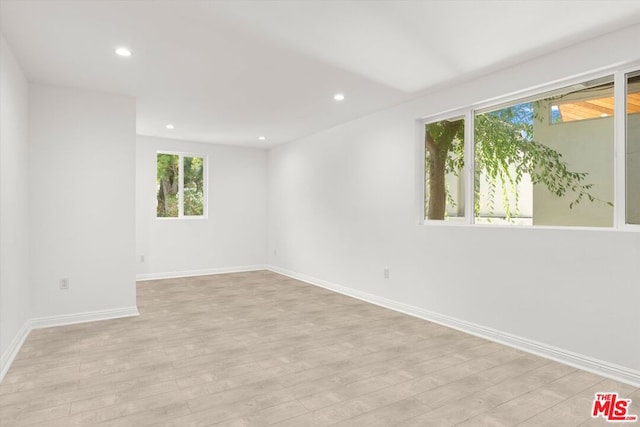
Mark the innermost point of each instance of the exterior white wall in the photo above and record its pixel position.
(82, 200)
(15, 291)
(524, 205)
(343, 206)
(233, 236)
(586, 146)
(455, 187)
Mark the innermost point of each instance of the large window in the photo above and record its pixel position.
(180, 185)
(545, 159)
(538, 164)
(633, 148)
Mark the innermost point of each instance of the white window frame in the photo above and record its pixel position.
(205, 185)
(620, 179)
(467, 173)
(468, 112)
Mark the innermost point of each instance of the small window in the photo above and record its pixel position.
(444, 164)
(180, 185)
(529, 171)
(590, 108)
(633, 148)
(592, 103)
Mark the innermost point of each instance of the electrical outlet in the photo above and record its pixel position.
(64, 283)
(275, 252)
(386, 273)
(141, 258)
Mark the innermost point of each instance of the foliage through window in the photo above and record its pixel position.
(180, 185)
(528, 169)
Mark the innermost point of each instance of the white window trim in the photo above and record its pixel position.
(205, 185)
(470, 166)
(468, 111)
(620, 153)
(619, 150)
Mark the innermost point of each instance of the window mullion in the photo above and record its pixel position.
(469, 162)
(421, 188)
(181, 186)
(205, 186)
(619, 165)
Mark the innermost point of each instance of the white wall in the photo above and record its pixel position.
(15, 291)
(343, 206)
(233, 236)
(82, 200)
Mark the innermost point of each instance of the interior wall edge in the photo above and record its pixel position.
(12, 351)
(62, 320)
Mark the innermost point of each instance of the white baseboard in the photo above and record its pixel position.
(69, 319)
(599, 367)
(90, 316)
(204, 272)
(45, 322)
(12, 351)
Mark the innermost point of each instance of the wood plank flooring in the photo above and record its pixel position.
(258, 348)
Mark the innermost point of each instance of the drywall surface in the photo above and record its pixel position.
(232, 237)
(15, 291)
(82, 200)
(344, 203)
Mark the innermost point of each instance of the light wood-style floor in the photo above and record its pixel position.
(259, 349)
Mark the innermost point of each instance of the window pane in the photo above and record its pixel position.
(444, 162)
(581, 109)
(193, 186)
(548, 160)
(633, 148)
(167, 183)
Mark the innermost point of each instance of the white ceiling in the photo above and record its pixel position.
(229, 71)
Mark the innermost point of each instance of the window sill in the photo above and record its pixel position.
(186, 218)
(621, 228)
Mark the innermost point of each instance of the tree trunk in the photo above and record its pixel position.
(166, 190)
(437, 189)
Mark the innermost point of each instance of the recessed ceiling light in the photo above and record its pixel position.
(170, 126)
(262, 138)
(338, 97)
(123, 51)
(604, 115)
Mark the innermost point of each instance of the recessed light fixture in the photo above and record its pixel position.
(123, 51)
(262, 138)
(338, 97)
(170, 126)
(604, 115)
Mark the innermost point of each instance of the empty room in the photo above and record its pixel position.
(319, 213)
